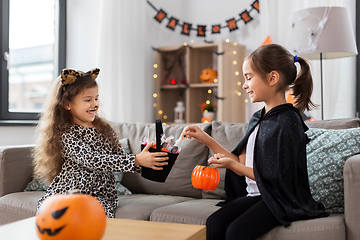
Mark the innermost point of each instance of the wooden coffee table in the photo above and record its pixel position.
(116, 229)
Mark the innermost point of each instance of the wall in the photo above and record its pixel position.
(83, 45)
(16, 135)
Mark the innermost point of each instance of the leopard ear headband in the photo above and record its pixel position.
(69, 76)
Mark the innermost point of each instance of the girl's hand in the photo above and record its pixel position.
(151, 160)
(219, 161)
(194, 131)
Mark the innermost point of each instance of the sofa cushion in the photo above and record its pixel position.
(178, 182)
(332, 227)
(17, 206)
(140, 206)
(326, 153)
(190, 212)
(227, 135)
(343, 123)
(120, 189)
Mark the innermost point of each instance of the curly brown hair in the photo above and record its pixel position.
(55, 120)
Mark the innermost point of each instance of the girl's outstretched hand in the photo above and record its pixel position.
(219, 161)
(194, 131)
(151, 160)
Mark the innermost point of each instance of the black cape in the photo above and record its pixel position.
(280, 166)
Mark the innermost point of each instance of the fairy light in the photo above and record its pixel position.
(237, 73)
(165, 117)
(246, 101)
(227, 40)
(155, 105)
(192, 41)
(160, 112)
(234, 62)
(235, 43)
(215, 80)
(234, 52)
(239, 83)
(155, 65)
(185, 44)
(155, 75)
(209, 91)
(239, 94)
(155, 95)
(207, 101)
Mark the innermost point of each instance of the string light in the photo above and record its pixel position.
(239, 83)
(239, 94)
(165, 116)
(234, 52)
(185, 44)
(155, 65)
(235, 43)
(155, 95)
(155, 105)
(160, 112)
(237, 73)
(155, 75)
(227, 40)
(209, 91)
(207, 101)
(246, 101)
(234, 62)
(215, 80)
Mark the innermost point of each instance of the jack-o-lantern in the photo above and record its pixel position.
(205, 178)
(208, 75)
(70, 216)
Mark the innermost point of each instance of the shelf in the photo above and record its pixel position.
(186, 63)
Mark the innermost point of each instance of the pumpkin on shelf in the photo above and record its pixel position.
(70, 216)
(208, 75)
(205, 178)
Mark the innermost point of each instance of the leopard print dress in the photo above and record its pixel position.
(89, 163)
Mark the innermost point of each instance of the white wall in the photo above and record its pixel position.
(16, 135)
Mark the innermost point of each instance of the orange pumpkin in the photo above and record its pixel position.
(70, 216)
(205, 119)
(208, 75)
(205, 178)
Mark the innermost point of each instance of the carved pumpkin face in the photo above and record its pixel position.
(205, 178)
(208, 75)
(70, 216)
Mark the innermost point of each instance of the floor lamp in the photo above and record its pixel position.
(322, 33)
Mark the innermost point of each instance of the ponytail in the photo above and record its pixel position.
(273, 57)
(302, 87)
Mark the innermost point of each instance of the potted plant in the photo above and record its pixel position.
(208, 111)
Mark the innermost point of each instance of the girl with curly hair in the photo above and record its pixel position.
(76, 149)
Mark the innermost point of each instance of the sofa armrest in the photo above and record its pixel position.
(352, 197)
(15, 168)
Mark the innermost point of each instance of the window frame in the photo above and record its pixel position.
(24, 118)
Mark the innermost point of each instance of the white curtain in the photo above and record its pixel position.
(123, 86)
(339, 74)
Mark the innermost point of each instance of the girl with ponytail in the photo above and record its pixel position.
(266, 182)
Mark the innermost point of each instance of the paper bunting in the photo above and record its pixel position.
(231, 23)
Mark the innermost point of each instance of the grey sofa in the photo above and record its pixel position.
(176, 200)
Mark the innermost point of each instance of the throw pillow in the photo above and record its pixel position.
(327, 152)
(122, 190)
(36, 185)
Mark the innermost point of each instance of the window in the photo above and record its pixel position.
(33, 47)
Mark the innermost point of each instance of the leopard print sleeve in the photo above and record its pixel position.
(87, 148)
